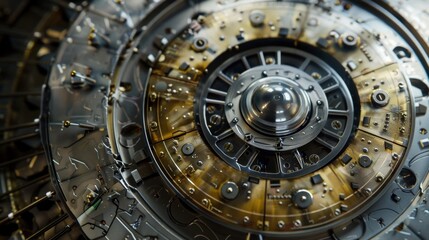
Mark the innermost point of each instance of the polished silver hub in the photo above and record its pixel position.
(275, 106)
(275, 111)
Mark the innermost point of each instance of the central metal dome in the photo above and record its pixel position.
(275, 106)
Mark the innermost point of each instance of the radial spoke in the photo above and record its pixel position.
(15, 214)
(215, 101)
(3, 164)
(64, 231)
(225, 134)
(245, 62)
(305, 64)
(18, 138)
(217, 92)
(298, 158)
(252, 158)
(224, 78)
(331, 134)
(279, 57)
(19, 126)
(262, 58)
(324, 143)
(241, 151)
(41, 179)
(335, 112)
(331, 88)
(279, 162)
(50, 225)
(324, 79)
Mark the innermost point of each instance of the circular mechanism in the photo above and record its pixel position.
(229, 190)
(274, 122)
(265, 119)
(276, 110)
(380, 98)
(274, 106)
(302, 199)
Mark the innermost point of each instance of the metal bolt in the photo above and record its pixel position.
(248, 136)
(379, 178)
(153, 124)
(401, 86)
(67, 123)
(228, 146)
(336, 124)
(316, 75)
(279, 144)
(216, 119)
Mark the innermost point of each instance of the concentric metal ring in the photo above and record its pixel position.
(274, 109)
